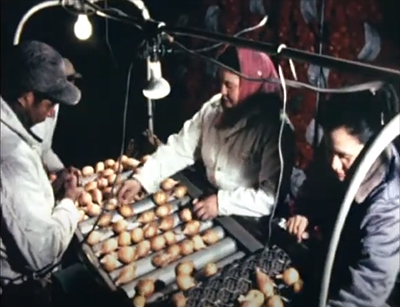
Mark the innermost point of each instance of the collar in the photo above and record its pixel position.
(374, 177)
(10, 119)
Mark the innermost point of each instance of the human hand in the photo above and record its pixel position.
(52, 177)
(297, 226)
(207, 208)
(58, 179)
(77, 172)
(72, 191)
(130, 188)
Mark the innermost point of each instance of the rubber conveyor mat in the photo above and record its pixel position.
(237, 279)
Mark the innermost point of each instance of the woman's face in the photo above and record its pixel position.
(343, 150)
(230, 86)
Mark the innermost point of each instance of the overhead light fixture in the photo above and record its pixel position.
(83, 27)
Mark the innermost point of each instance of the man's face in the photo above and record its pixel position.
(343, 149)
(37, 108)
(230, 87)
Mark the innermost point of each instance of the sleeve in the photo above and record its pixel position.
(260, 201)
(50, 160)
(373, 276)
(40, 231)
(181, 150)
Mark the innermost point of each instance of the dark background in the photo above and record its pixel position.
(91, 131)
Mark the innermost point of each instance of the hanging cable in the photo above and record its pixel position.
(122, 150)
(321, 75)
(113, 59)
(281, 159)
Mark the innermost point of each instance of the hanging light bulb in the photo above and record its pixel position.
(83, 27)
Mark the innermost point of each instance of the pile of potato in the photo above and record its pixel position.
(101, 191)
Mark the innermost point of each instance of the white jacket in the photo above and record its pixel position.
(45, 131)
(242, 162)
(35, 233)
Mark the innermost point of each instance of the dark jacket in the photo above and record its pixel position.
(368, 257)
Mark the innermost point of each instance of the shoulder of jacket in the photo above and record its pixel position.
(384, 201)
(213, 103)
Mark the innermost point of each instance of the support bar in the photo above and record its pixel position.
(288, 53)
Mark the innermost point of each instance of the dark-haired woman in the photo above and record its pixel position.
(235, 134)
(368, 256)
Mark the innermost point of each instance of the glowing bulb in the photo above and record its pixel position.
(82, 27)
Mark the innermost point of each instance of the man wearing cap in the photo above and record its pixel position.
(35, 230)
(45, 130)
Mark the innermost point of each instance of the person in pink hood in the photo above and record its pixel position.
(235, 134)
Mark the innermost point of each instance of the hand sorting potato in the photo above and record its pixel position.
(162, 236)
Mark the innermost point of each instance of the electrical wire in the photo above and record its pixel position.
(118, 173)
(321, 75)
(246, 30)
(368, 86)
(122, 17)
(74, 11)
(281, 159)
(113, 59)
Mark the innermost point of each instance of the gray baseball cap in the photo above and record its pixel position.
(42, 70)
(72, 74)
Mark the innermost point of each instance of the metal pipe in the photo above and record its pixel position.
(53, 3)
(385, 137)
(33, 10)
(289, 53)
(150, 104)
(213, 253)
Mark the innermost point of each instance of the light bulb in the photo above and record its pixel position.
(83, 27)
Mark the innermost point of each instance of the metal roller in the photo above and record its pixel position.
(213, 253)
(138, 208)
(145, 265)
(110, 233)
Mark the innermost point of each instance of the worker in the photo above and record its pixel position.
(45, 130)
(235, 134)
(36, 230)
(368, 257)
